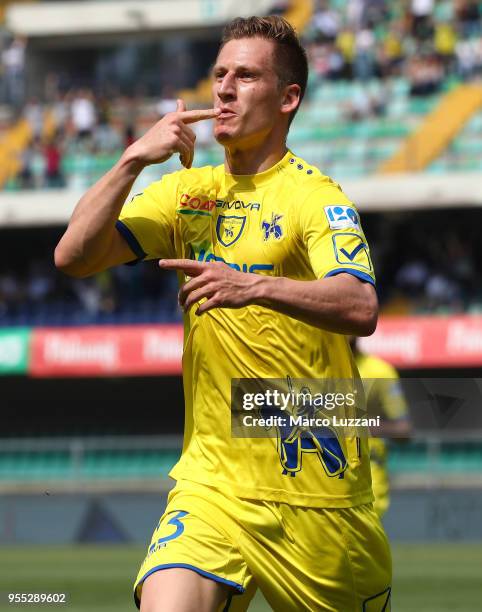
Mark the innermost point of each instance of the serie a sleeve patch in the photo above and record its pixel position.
(342, 217)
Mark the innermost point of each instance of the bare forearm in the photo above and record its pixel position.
(89, 234)
(340, 304)
(90, 243)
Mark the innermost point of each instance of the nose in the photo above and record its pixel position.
(226, 87)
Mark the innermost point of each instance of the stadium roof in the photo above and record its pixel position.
(63, 19)
(415, 191)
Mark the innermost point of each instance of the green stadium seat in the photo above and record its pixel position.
(422, 106)
(474, 125)
(151, 464)
(400, 87)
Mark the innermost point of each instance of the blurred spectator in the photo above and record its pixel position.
(51, 87)
(88, 294)
(25, 175)
(38, 164)
(127, 111)
(40, 283)
(359, 107)
(364, 104)
(375, 11)
(13, 68)
(412, 277)
(391, 53)
(441, 291)
(421, 14)
(465, 56)
(345, 42)
(460, 263)
(53, 164)
(468, 13)
(425, 75)
(364, 64)
(326, 22)
(444, 11)
(445, 40)
(355, 13)
(34, 114)
(10, 288)
(469, 58)
(83, 114)
(335, 63)
(129, 135)
(105, 137)
(60, 108)
(318, 57)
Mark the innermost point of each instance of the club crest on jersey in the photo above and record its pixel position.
(273, 227)
(342, 217)
(229, 229)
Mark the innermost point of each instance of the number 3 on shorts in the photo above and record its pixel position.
(174, 520)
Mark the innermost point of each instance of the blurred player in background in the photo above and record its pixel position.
(385, 398)
(274, 270)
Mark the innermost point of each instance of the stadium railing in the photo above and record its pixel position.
(431, 458)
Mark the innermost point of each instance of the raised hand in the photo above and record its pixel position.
(170, 135)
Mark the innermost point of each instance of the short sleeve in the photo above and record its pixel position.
(330, 228)
(147, 221)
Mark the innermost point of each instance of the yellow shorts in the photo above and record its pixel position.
(302, 559)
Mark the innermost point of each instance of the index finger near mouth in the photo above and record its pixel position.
(198, 115)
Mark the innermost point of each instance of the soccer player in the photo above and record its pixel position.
(385, 398)
(274, 271)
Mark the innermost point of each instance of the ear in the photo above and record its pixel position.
(291, 98)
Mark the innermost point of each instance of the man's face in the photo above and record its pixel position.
(246, 89)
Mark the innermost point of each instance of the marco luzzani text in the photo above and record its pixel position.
(278, 401)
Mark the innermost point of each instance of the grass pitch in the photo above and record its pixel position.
(427, 577)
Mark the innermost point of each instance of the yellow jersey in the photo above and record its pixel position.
(384, 397)
(288, 221)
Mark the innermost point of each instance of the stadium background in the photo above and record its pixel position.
(91, 394)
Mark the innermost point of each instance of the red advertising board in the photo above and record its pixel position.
(407, 342)
(107, 351)
(412, 342)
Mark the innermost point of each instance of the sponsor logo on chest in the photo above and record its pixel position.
(203, 203)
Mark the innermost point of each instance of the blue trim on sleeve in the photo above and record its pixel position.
(131, 240)
(239, 588)
(358, 273)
